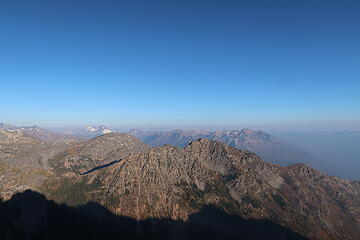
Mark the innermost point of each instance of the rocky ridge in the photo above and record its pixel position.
(95, 152)
(176, 182)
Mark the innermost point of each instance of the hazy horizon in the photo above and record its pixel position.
(304, 127)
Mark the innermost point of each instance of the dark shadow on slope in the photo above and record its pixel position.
(101, 167)
(29, 215)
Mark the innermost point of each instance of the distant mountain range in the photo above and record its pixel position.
(35, 131)
(266, 146)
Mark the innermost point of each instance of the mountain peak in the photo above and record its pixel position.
(95, 131)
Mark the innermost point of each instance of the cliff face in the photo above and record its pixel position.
(176, 182)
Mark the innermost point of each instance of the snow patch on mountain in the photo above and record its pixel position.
(95, 131)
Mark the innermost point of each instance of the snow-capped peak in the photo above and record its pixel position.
(91, 129)
(94, 131)
(105, 131)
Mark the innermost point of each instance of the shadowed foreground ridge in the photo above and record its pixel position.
(29, 215)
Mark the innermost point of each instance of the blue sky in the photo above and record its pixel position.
(180, 63)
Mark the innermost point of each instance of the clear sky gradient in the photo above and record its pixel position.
(180, 63)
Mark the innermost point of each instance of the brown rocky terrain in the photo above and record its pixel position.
(23, 162)
(176, 182)
(95, 152)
